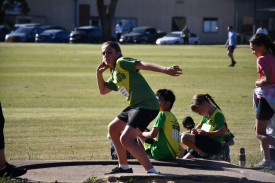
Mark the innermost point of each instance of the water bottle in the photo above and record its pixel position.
(242, 158)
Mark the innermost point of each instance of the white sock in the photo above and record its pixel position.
(152, 170)
(125, 167)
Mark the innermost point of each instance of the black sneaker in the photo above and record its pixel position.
(120, 170)
(12, 171)
(233, 64)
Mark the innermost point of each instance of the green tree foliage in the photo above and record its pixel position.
(8, 5)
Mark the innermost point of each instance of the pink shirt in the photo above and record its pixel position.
(267, 62)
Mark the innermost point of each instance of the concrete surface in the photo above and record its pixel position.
(188, 171)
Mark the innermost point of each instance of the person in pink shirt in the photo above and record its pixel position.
(264, 93)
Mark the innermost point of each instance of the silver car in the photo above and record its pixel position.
(175, 38)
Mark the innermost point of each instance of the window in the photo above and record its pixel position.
(178, 23)
(210, 25)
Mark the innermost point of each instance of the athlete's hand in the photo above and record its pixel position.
(174, 70)
(201, 132)
(101, 67)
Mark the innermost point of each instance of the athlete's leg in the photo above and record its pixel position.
(115, 128)
(128, 139)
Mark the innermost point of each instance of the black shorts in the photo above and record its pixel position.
(207, 144)
(264, 111)
(2, 122)
(138, 117)
(231, 48)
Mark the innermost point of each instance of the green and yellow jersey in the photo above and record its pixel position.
(129, 81)
(166, 145)
(214, 122)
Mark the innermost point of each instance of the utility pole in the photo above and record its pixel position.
(74, 13)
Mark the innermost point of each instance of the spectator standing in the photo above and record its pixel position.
(231, 44)
(185, 35)
(118, 29)
(264, 96)
(262, 30)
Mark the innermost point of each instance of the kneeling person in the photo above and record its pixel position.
(163, 140)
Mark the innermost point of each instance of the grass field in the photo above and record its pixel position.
(53, 109)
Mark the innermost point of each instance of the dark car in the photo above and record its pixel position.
(53, 36)
(24, 34)
(141, 35)
(85, 34)
(3, 31)
(47, 27)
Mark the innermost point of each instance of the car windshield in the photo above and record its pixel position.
(173, 35)
(138, 30)
(24, 30)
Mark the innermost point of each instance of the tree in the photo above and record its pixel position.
(5, 5)
(106, 14)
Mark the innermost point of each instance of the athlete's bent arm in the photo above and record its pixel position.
(100, 80)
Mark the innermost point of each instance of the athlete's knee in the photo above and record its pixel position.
(184, 137)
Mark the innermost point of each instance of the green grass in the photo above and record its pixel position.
(53, 109)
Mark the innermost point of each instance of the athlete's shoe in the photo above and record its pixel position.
(12, 171)
(120, 170)
(232, 64)
(265, 164)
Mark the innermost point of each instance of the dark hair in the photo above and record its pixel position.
(265, 40)
(167, 95)
(188, 123)
(199, 99)
(114, 45)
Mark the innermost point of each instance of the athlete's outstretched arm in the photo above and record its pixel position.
(172, 71)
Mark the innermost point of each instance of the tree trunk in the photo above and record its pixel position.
(106, 14)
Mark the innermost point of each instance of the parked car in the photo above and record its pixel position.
(53, 36)
(47, 27)
(85, 34)
(24, 34)
(141, 35)
(175, 38)
(3, 31)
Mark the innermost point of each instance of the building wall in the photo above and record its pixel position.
(156, 13)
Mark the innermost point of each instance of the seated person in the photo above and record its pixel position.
(163, 140)
(187, 124)
(207, 137)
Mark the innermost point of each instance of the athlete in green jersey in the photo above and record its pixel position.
(132, 121)
(206, 139)
(166, 130)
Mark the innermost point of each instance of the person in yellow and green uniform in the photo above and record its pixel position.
(207, 137)
(143, 105)
(162, 142)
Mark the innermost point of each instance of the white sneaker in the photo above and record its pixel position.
(264, 164)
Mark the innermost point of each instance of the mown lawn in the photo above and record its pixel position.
(53, 109)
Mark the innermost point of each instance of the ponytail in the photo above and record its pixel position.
(212, 100)
(200, 98)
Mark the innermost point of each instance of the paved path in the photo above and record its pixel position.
(189, 171)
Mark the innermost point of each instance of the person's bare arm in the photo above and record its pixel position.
(100, 80)
(266, 80)
(152, 133)
(172, 71)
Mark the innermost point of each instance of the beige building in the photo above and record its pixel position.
(207, 18)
